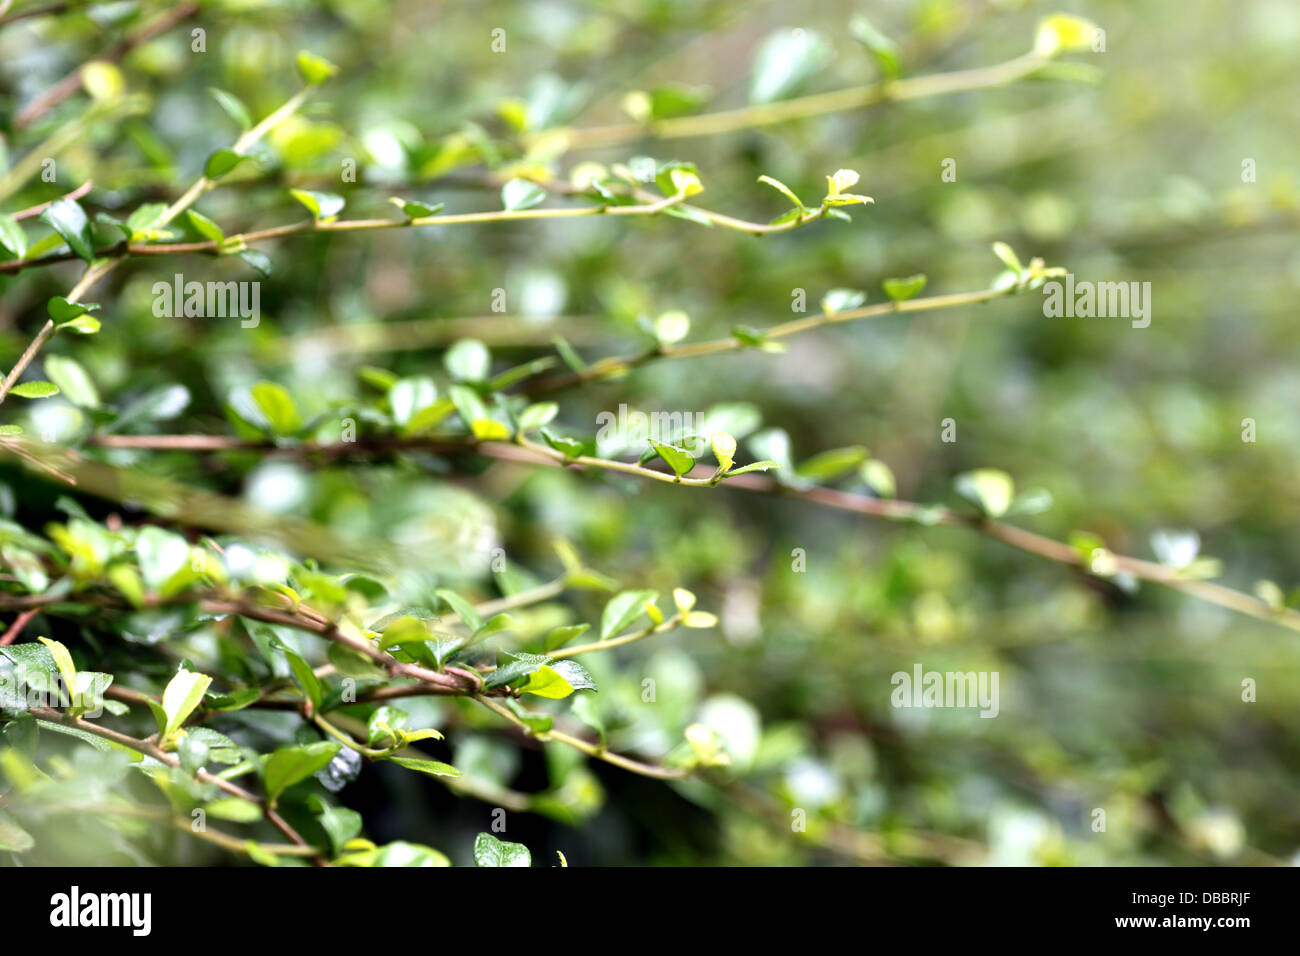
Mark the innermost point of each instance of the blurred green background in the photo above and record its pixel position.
(1125, 700)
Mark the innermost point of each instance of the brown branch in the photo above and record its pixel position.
(892, 508)
(16, 628)
(65, 87)
(39, 208)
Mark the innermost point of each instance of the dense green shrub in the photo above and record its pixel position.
(355, 423)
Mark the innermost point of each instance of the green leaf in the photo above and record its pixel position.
(183, 694)
(11, 431)
(879, 478)
(559, 636)
(623, 608)
(882, 48)
(746, 335)
(989, 489)
(409, 396)
(204, 226)
(521, 194)
(290, 765)
(384, 726)
(413, 209)
(558, 680)
(82, 325)
(1062, 33)
(141, 223)
(1008, 257)
(842, 300)
(34, 390)
(12, 237)
(901, 290)
(569, 447)
(320, 205)
(463, 609)
(829, 465)
(305, 677)
(69, 220)
(516, 670)
(678, 459)
(222, 162)
(785, 191)
(489, 851)
(278, 407)
(672, 326)
(340, 824)
(535, 416)
(63, 661)
(468, 361)
(233, 107)
(234, 809)
(72, 381)
(433, 768)
(785, 61)
(724, 450)
(754, 466)
(315, 69)
(493, 625)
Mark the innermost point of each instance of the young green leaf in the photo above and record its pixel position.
(413, 209)
(489, 851)
(315, 69)
(559, 636)
(233, 107)
(462, 608)
(678, 459)
(72, 380)
(842, 300)
(468, 360)
(182, 695)
(724, 450)
(558, 680)
(67, 669)
(535, 416)
(433, 768)
(34, 390)
(521, 194)
(785, 191)
(879, 478)
(900, 290)
(829, 465)
(570, 447)
(989, 489)
(290, 765)
(12, 237)
(278, 407)
(221, 162)
(623, 608)
(204, 226)
(321, 205)
(882, 48)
